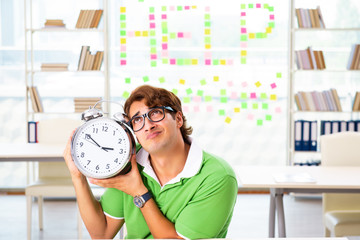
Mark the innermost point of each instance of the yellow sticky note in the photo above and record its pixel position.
(208, 46)
(165, 39)
(237, 109)
(273, 97)
(122, 9)
(243, 52)
(123, 40)
(257, 84)
(194, 61)
(182, 81)
(228, 120)
(145, 33)
(222, 62)
(268, 30)
(207, 31)
(193, 7)
(137, 33)
(252, 35)
(216, 78)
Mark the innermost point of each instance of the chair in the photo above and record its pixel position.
(341, 212)
(54, 179)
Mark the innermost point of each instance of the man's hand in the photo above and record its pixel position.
(130, 183)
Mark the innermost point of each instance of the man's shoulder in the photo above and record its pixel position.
(216, 165)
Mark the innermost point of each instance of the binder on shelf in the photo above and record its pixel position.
(351, 126)
(298, 136)
(325, 127)
(313, 135)
(32, 132)
(335, 126)
(343, 126)
(306, 136)
(357, 126)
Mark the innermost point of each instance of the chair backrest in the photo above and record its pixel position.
(55, 131)
(340, 149)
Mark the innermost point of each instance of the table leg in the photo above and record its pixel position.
(272, 214)
(280, 212)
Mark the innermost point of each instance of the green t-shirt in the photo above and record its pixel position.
(199, 201)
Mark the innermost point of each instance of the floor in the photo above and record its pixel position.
(250, 219)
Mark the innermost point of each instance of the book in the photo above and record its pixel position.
(356, 104)
(32, 132)
(89, 18)
(54, 67)
(302, 177)
(54, 23)
(33, 100)
(37, 99)
(83, 52)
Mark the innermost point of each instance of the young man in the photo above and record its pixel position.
(184, 191)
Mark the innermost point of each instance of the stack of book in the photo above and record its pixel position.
(48, 67)
(89, 18)
(309, 59)
(356, 105)
(327, 100)
(309, 18)
(36, 102)
(83, 103)
(88, 61)
(54, 23)
(354, 59)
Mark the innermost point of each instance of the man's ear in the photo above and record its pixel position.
(179, 119)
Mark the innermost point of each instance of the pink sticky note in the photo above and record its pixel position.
(278, 109)
(230, 83)
(244, 84)
(207, 61)
(207, 9)
(163, 16)
(173, 61)
(197, 99)
(209, 108)
(271, 16)
(164, 46)
(187, 34)
(243, 44)
(185, 109)
(243, 14)
(172, 8)
(233, 95)
(123, 62)
(180, 34)
(153, 56)
(207, 55)
(230, 62)
(151, 16)
(250, 117)
(243, 30)
(152, 25)
(252, 95)
(130, 33)
(122, 48)
(165, 53)
(187, 7)
(197, 109)
(258, 5)
(273, 85)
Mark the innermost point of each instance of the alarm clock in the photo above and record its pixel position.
(102, 146)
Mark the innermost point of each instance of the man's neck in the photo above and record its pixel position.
(168, 164)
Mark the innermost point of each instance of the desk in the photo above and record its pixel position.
(328, 180)
(31, 152)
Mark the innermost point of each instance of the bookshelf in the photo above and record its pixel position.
(335, 75)
(49, 36)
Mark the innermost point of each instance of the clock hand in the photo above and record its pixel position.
(88, 136)
(107, 148)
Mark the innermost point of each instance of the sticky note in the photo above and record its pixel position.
(243, 53)
(230, 83)
(278, 75)
(265, 106)
(123, 40)
(257, 84)
(146, 79)
(273, 97)
(197, 99)
(259, 122)
(221, 112)
(207, 61)
(243, 30)
(208, 98)
(243, 60)
(268, 117)
(180, 62)
(172, 61)
(152, 25)
(207, 31)
(263, 96)
(237, 109)
(207, 46)
(175, 91)
(222, 62)
(216, 62)
(243, 95)
(252, 95)
(228, 120)
(255, 106)
(189, 91)
(182, 81)
(122, 62)
(278, 109)
(127, 80)
(186, 99)
(273, 85)
(250, 116)
(200, 93)
(122, 9)
(216, 78)
(222, 92)
(244, 105)
(244, 84)
(233, 95)
(209, 109)
(153, 63)
(125, 94)
(180, 35)
(196, 109)
(203, 82)
(194, 61)
(162, 80)
(163, 16)
(223, 99)
(185, 109)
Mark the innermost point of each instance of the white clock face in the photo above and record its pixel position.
(101, 148)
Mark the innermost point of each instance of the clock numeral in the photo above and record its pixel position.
(107, 166)
(120, 140)
(97, 167)
(114, 133)
(82, 154)
(81, 144)
(116, 160)
(89, 161)
(121, 151)
(104, 128)
(95, 130)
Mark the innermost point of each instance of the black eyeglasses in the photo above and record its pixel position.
(155, 114)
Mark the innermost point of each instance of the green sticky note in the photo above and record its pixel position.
(122, 25)
(268, 117)
(207, 40)
(271, 24)
(243, 38)
(223, 99)
(208, 98)
(123, 55)
(207, 24)
(153, 50)
(152, 41)
(251, 5)
(243, 95)
(189, 91)
(244, 105)
(207, 16)
(271, 9)
(151, 9)
(263, 96)
(180, 62)
(186, 99)
(187, 61)
(203, 82)
(243, 6)
(242, 22)
(216, 62)
(278, 75)
(162, 80)
(222, 92)
(125, 94)
(163, 8)
(265, 106)
(165, 61)
(152, 33)
(173, 35)
(122, 33)
(179, 8)
(258, 35)
(221, 112)
(164, 25)
(127, 80)
(164, 30)
(266, 6)
(145, 78)
(255, 106)
(243, 60)
(200, 93)
(175, 91)
(122, 17)
(259, 122)
(153, 63)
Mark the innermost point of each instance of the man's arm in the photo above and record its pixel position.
(97, 223)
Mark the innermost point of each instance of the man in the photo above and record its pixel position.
(186, 192)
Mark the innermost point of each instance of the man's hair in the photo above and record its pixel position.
(157, 97)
